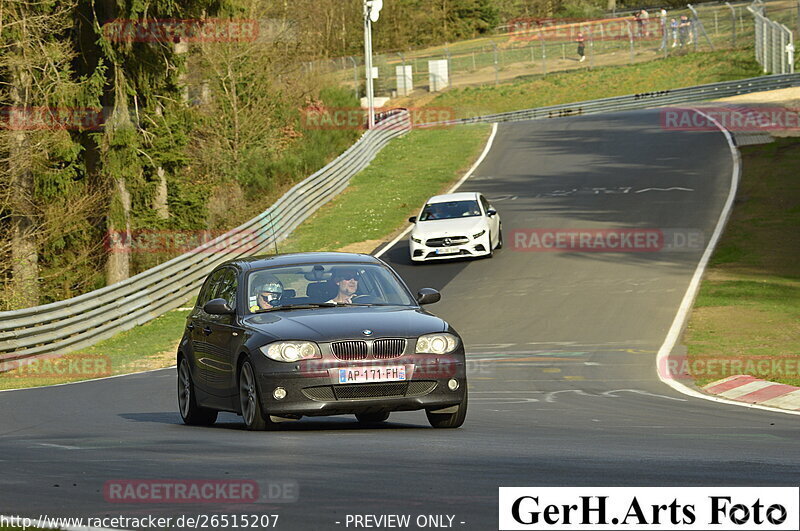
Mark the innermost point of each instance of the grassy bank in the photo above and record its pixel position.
(746, 318)
(382, 197)
(377, 203)
(674, 72)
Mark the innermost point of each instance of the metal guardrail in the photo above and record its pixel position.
(81, 321)
(643, 100)
(774, 42)
(84, 320)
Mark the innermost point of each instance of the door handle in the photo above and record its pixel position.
(207, 331)
(190, 327)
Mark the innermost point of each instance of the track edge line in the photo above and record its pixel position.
(679, 323)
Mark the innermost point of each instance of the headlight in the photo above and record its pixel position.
(290, 351)
(481, 233)
(415, 240)
(443, 343)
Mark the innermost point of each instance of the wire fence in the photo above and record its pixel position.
(538, 47)
(774, 42)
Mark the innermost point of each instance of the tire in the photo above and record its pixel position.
(372, 418)
(491, 248)
(500, 235)
(191, 413)
(249, 400)
(449, 420)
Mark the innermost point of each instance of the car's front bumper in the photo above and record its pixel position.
(313, 392)
(475, 247)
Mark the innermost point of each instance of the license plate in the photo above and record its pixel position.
(447, 250)
(372, 374)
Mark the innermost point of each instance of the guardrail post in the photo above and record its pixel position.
(782, 49)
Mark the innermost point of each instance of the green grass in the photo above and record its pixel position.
(580, 85)
(379, 199)
(748, 308)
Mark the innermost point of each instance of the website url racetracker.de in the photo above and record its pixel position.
(196, 521)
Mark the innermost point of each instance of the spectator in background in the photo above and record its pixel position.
(644, 17)
(684, 30)
(638, 18)
(673, 26)
(581, 40)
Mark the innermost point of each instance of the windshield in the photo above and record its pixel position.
(450, 210)
(324, 284)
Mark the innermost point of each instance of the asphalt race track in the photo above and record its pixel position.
(562, 346)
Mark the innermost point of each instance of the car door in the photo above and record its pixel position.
(494, 221)
(197, 323)
(222, 335)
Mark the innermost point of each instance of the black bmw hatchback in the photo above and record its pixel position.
(310, 334)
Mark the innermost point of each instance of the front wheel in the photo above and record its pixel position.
(372, 418)
(249, 401)
(500, 236)
(191, 413)
(449, 420)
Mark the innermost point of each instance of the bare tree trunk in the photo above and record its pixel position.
(118, 265)
(119, 220)
(24, 248)
(160, 200)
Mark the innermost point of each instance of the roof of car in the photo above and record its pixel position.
(459, 196)
(257, 262)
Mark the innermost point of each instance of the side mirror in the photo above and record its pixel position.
(218, 307)
(491, 212)
(428, 296)
(412, 219)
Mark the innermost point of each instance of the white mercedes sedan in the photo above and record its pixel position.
(456, 225)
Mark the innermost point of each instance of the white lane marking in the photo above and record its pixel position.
(640, 392)
(62, 446)
(173, 367)
(664, 189)
(552, 396)
(450, 191)
(691, 292)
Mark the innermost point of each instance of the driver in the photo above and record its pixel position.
(346, 281)
(267, 294)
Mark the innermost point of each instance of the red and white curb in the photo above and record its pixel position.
(751, 390)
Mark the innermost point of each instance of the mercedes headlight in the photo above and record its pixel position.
(290, 351)
(443, 343)
(481, 233)
(415, 240)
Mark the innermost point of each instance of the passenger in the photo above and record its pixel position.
(267, 294)
(346, 281)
